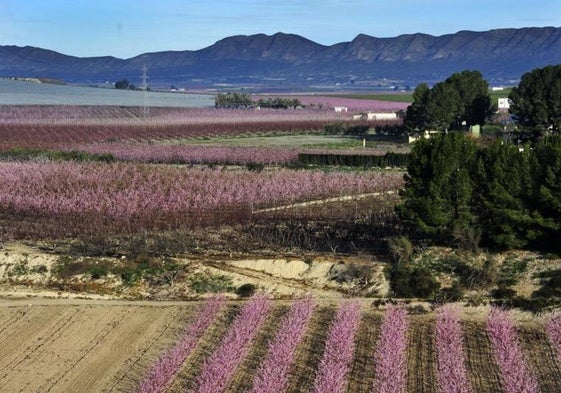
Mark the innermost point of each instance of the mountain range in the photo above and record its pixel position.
(288, 60)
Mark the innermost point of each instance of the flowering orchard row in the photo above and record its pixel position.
(56, 136)
(278, 362)
(181, 154)
(99, 115)
(318, 107)
(220, 155)
(126, 198)
(55, 127)
(161, 375)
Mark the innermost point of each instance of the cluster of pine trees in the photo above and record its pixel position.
(458, 102)
(243, 100)
(499, 195)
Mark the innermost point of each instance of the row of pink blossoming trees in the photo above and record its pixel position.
(390, 354)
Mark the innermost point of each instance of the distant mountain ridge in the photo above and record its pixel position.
(286, 60)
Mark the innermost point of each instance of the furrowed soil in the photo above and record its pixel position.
(81, 345)
(82, 348)
(541, 357)
(421, 359)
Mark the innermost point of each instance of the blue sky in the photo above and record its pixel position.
(126, 28)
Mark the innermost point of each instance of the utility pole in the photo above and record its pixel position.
(145, 107)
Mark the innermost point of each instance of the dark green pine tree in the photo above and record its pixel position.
(437, 197)
(473, 104)
(416, 117)
(547, 198)
(503, 192)
(537, 100)
(455, 104)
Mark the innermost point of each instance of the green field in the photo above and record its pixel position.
(408, 97)
(495, 95)
(290, 141)
(394, 97)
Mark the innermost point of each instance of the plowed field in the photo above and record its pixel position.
(95, 347)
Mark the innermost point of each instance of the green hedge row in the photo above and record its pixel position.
(25, 154)
(356, 160)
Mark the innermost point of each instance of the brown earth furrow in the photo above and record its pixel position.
(243, 379)
(97, 370)
(310, 352)
(24, 333)
(362, 374)
(78, 352)
(8, 317)
(483, 371)
(136, 367)
(34, 350)
(421, 355)
(541, 357)
(185, 380)
(57, 356)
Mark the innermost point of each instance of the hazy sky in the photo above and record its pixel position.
(126, 28)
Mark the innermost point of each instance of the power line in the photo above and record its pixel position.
(145, 107)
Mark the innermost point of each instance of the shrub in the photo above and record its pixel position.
(337, 128)
(471, 276)
(40, 269)
(451, 294)
(20, 269)
(510, 271)
(96, 272)
(255, 166)
(407, 281)
(205, 283)
(246, 290)
(400, 249)
(357, 130)
(492, 130)
(551, 285)
(503, 292)
(423, 283)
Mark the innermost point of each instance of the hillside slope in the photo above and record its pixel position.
(502, 55)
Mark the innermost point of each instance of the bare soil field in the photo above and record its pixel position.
(81, 348)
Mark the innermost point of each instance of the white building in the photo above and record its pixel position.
(503, 104)
(381, 116)
(340, 109)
